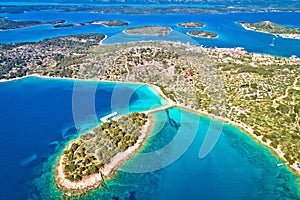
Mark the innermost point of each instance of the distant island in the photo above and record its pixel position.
(272, 28)
(202, 34)
(149, 30)
(96, 154)
(109, 23)
(132, 9)
(191, 25)
(12, 24)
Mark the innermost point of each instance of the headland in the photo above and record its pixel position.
(108, 23)
(272, 28)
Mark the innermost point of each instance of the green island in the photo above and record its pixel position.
(191, 25)
(11, 24)
(149, 30)
(96, 154)
(109, 23)
(202, 34)
(258, 93)
(272, 28)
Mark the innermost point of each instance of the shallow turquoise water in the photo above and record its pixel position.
(237, 168)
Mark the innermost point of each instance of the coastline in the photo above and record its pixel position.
(249, 131)
(289, 36)
(285, 36)
(277, 152)
(101, 42)
(96, 180)
(243, 127)
(161, 94)
(119, 159)
(71, 79)
(88, 183)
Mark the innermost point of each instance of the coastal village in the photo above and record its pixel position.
(258, 93)
(51, 57)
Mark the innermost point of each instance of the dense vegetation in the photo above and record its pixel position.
(272, 100)
(149, 30)
(202, 34)
(88, 154)
(79, 163)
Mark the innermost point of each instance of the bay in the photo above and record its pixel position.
(230, 33)
(37, 121)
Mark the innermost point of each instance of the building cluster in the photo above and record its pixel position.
(240, 56)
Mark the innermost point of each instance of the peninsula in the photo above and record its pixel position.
(12, 24)
(202, 34)
(96, 154)
(272, 28)
(109, 23)
(149, 30)
(191, 25)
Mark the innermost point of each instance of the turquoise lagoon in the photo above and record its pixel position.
(37, 123)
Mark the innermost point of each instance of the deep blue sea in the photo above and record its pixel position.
(37, 121)
(230, 33)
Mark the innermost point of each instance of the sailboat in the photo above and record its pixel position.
(272, 44)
